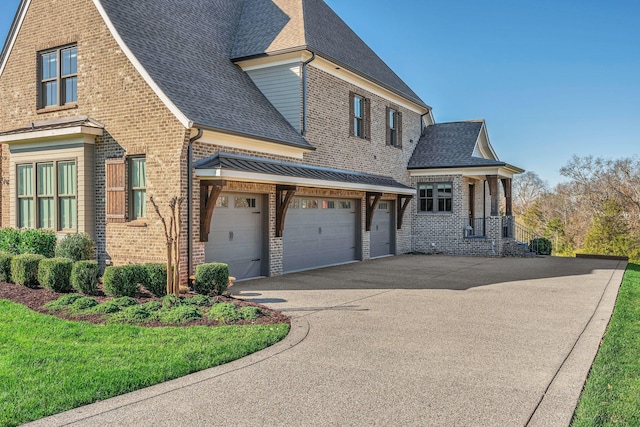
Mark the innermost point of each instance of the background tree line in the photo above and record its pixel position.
(596, 211)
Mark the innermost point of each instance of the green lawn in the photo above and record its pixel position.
(49, 365)
(612, 392)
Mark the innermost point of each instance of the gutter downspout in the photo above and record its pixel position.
(190, 206)
(304, 92)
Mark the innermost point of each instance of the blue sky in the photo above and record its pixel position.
(551, 78)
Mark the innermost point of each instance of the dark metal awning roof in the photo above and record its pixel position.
(255, 169)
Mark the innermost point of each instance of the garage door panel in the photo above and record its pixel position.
(319, 232)
(236, 236)
(381, 235)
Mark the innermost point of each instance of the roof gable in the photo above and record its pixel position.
(456, 144)
(276, 26)
(185, 47)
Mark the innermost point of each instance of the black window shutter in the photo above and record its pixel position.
(399, 129)
(351, 114)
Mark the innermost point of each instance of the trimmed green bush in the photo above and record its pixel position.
(76, 246)
(123, 302)
(10, 240)
(121, 281)
(211, 278)
(55, 274)
(5, 266)
(83, 304)
(156, 282)
(134, 314)
(84, 276)
(152, 306)
(170, 301)
(24, 269)
(250, 312)
(198, 300)
(541, 246)
(63, 302)
(180, 314)
(224, 312)
(38, 241)
(107, 307)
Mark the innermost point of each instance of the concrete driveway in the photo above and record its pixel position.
(407, 340)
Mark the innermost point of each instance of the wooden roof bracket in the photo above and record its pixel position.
(372, 203)
(401, 205)
(209, 192)
(284, 193)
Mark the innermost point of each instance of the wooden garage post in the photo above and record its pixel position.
(209, 192)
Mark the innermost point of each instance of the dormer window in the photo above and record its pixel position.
(58, 75)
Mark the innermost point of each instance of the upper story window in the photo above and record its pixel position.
(359, 116)
(394, 127)
(47, 195)
(138, 180)
(58, 75)
(435, 197)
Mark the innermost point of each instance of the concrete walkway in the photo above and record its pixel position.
(407, 340)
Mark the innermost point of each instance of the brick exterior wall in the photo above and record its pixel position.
(112, 92)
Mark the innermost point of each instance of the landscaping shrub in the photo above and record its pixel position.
(211, 278)
(198, 300)
(180, 314)
(541, 246)
(123, 302)
(76, 246)
(156, 276)
(121, 281)
(107, 307)
(170, 301)
(250, 312)
(10, 240)
(63, 302)
(83, 303)
(38, 241)
(133, 314)
(55, 274)
(152, 306)
(84, 276)
(24, 269)
(224, 312)
(5, 266)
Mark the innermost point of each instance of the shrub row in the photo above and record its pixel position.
(76, 246)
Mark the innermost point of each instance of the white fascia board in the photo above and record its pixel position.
(50, 134)
(250, 144)
(273, 60)
(355, 79)
(184, 120)
(14, 36)
(293, 180)
(486, 135)
(506, 171)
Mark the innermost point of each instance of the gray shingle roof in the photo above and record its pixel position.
(269, 26)
(449, 145)
(185, 46)
(274, 167)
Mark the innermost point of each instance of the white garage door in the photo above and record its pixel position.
(381, 236)
(319, 232)
(236, 234)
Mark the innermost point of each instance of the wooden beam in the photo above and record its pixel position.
(284, 193)
(372, 203)
(493, 191)
(506, 185)
(401, 206)
(209, 192)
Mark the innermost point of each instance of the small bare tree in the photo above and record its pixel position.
(172, 235)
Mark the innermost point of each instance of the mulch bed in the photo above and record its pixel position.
(35, 299)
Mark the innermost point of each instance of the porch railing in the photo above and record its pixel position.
(475, 227)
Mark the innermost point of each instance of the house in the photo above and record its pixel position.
(292, 143)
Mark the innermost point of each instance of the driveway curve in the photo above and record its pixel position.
(406, 340)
